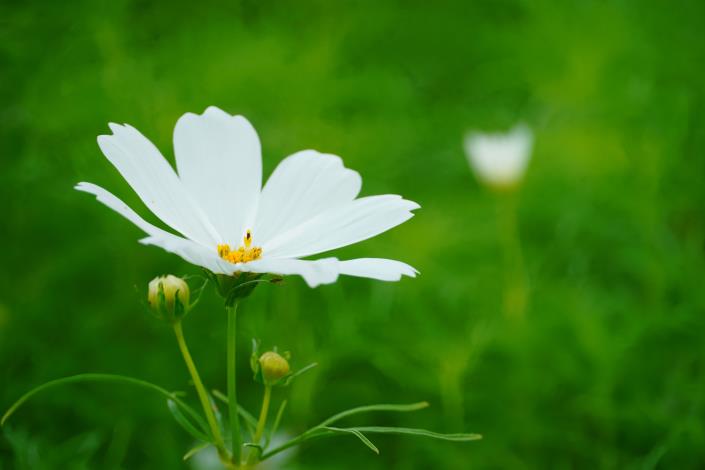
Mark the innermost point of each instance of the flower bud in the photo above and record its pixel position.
(274, 367)
(168, 296)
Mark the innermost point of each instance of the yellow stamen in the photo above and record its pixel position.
(223, 250)
(245, 252)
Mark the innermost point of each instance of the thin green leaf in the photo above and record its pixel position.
(102, 378)
(198, 292)
(275, 426)
(380, 407)
(219, 395)
(357, 433)
(458, 437)
(305, 436)
(216, 412)
(254, 446)
(323, 429)
(196, 450)
(285, 381)
(246, 415)
(186, 424)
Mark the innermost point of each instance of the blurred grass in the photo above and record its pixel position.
(607, 371)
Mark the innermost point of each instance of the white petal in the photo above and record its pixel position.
(500, 159)
(314, 272)
(326, 271)
(302, 186)
(340, 226)
(190, 251)
(219, 160)
(377, 268)
(155, 182)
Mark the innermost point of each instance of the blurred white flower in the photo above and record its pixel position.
(229, 222)
(206, 459)
(500, 160)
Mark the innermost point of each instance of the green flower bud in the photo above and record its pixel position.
(168, 296)
(274, 367)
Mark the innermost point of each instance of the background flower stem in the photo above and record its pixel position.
(515, 284)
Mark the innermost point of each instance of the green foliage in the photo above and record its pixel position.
(324, 429)
(354, 432)
(199, 434)
(275, 426)
(196, 449)
(358, 432)
(172, 401)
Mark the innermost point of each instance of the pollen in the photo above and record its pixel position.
(246, 252)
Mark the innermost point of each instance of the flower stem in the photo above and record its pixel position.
(232, 381)
(200, 389)
(253, 457)
(516, 289)
(263, 413)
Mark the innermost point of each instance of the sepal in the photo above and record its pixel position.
(239, 285)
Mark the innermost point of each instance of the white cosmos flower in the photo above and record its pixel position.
(230, 223)
(500, 159)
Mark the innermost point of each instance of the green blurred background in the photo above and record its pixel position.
(607, 367)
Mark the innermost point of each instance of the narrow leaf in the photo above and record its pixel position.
(257, 447)
(246, 415)
(275, 426)
(216, 412)
(101, 378)
(315, 432)
(357, 433)
(186, 424)
(458, 437)
(381, 407)
(196, 450)
(198, 292)
(285, 381)
(220, 396)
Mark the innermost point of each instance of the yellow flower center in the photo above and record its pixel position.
(246, 252)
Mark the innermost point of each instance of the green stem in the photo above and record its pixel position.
(232, 382)
(200, 389)
(516, 289)
(263, 413)
(254, 455)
